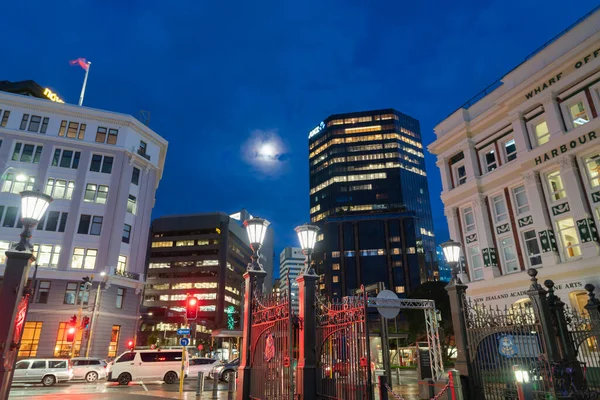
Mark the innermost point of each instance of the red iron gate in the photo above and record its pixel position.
(343, 356)
(274, 348)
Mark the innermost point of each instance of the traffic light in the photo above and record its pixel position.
(191, 307)
(130, 345)
(71, 330)
(85, 322)
(85, 284)
(73, 320)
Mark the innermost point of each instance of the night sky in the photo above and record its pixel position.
(235, 86)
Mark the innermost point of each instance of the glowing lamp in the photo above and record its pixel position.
(33, 206)
(257, 229)
(71, 330)
(307, 234)
(521, 375)
(451, 251)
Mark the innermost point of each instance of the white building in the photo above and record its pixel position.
(291, 262)
(102, 169)
(520, 171)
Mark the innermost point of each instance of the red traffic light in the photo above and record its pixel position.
(130, 343)
(193, 301)
(191, 308)
(71, 330)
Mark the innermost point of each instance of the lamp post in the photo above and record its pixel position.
(256, 229)
(307, 234)
(14, 298)
(451, 251)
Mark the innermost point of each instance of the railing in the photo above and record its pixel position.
(125, 274)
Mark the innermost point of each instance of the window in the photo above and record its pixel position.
(135, 176)
(399, 289)
(22, 365)
(476, 263)
(36, 124)
(542, 134)
(28, 153)
(592, 164)
(10, 217)
(460, 174)
(533, 248)
(102, 137)
(84, 258)
(96, 228)
(73, 130)
(66, 158)
(131, 204)
(500, 211)
(181, 243)
(509, 254)
(335, 267)
(578, 113)
(126, 233)
(47, 255)
(162, 244)
(335, 254)
(336, 279)
(64, 348)
(120, 296)
(17, 183)
(95, 193)
(510, 150)
(4, 119)
(122, 263)
(30, 339)
(101, 164)
(143, 148)
(114, 344)
(91, 225)
(521, 202)
(43, 289)
(59, 188)
(490, 162)
(71, 293)
(469, 217)
(555, 186)
(568, 236)
(53, 221)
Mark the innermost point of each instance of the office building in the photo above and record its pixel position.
(520, 173)
(102, 168)
(367, 180)
(203, 255)
(291, 262)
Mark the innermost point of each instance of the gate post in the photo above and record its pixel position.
(307, 354)
(251, 278)
(557, 309)
(456, 292)
(541, 308)
(593, 309)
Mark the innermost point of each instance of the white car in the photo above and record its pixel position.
(90, 369)
(44, 371)
(149, 365)
(202, 365)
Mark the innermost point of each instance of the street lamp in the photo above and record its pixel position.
(307, 234)
(451, 251)
(257, 229)
(14, 303)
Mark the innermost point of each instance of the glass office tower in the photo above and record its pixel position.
(367, 170)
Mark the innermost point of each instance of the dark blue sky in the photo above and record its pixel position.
(219, 77)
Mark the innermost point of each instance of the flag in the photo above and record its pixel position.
(83, 63)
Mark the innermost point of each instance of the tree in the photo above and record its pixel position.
(416, 321)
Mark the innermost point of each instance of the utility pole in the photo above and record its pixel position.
(94, 318)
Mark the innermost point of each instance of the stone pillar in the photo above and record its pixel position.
(557, 309)
(486, 238)
(471, 162)
(593, 309)
(577, 206)
(456, 292)
(442, 164)
(519, 133)
(541, 308)
(553, 115)
(539, 218)
(251, 279)
(307, 348)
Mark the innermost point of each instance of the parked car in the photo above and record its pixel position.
(136, 365)
(46, 371)
(90, 369)
(224, 370)
(202, 365)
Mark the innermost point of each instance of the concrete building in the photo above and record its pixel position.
(204, 255)
(102, 169)
(520, 167)
(291, 262)
(367, 180)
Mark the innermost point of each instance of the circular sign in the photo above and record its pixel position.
(387, 312)
(184, 341)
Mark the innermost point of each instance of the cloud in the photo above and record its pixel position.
(266, 152)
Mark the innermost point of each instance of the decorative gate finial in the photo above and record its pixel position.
(590, 289)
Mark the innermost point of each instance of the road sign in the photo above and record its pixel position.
(388, 312)
(183, 331)
(184, 341)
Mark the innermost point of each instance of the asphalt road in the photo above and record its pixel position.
(112, 390)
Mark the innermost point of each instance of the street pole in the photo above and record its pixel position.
(290, 340)
(93, 321)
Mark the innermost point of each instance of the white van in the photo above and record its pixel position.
(137, 365)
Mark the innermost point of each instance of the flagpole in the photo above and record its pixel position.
(87, 71)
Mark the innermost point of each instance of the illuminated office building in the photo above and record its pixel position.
(369, 195)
